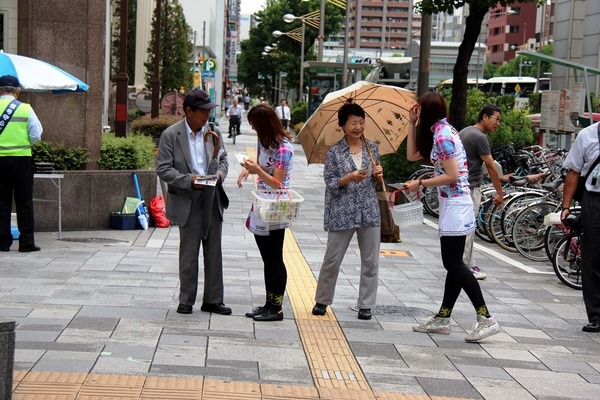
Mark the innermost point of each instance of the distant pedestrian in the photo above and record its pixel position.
(283, 112)
(234, 113)
(19, 129)
(246, 101)
(227, 102)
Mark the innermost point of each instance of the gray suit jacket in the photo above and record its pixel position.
(174, 167)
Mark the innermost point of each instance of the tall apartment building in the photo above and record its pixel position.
(384, 25)
(509, 30)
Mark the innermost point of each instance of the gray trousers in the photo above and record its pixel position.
(337, 243)
(468, 257)
(190, 239)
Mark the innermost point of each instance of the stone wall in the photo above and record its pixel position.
(88, 198)
(70, 35)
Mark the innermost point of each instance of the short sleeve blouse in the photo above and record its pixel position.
(276, 157)
(447, 145)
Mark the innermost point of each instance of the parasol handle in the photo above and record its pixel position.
(380, 179)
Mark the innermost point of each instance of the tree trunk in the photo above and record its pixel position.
(458, 102)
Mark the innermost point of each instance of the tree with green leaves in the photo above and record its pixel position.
(477, 11)
(256, 71)
(175, 66)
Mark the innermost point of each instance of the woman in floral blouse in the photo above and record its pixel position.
(430, 135)
(351, 206)
(273, 170)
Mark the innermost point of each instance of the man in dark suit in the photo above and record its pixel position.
(188, 150)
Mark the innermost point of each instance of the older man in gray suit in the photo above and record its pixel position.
(188, 152)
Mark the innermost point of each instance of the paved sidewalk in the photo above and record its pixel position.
(96, 319)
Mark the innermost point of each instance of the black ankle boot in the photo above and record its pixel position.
(271, 313)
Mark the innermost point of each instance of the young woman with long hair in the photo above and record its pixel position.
(273, 169)
(430, 136)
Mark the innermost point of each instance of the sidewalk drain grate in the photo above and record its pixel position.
(94, 240)
(400, 311)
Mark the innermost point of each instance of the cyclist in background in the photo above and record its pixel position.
(234, 113)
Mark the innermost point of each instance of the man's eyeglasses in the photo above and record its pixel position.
(496, 118)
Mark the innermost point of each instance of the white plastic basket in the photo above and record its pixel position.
(277, 205)
(408, 214)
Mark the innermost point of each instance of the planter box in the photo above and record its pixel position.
(88, 198)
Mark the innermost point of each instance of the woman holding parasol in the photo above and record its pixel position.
(351, 206)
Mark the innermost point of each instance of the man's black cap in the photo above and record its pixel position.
(9, 80)
(198, 98)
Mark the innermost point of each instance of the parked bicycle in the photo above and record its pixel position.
(567, 257)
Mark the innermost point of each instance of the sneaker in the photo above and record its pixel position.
(434, 324)
(479, 274)
(484, 327)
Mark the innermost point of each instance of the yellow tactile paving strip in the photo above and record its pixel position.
(331, 361)
(336, 372)
(77, 386)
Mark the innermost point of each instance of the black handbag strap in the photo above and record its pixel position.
(587, 175)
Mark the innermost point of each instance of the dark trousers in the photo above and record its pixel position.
(285, 123)
(590, 254)
(271, 251)
(16, 177)
(459, 276)
(236, 121)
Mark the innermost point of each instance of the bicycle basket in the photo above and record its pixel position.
(409, 214)
(277, 205)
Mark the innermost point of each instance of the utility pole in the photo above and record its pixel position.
(321, 31)
(122, 78)
(346, 38)
(424, 53)
(155, 74)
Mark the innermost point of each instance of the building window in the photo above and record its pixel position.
(513, 29)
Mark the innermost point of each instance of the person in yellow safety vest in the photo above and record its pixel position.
(19, 129)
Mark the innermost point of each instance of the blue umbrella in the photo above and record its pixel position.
(39, 76)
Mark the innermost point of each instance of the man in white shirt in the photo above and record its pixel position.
(582, 157)
(283, 112)
(234, 113)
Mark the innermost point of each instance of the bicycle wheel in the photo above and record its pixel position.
(495, 228)
(482, 231)
(529, 229)
(552, 236)
(234, 133)
(431, 203)
(568, 266)
(513, 206)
